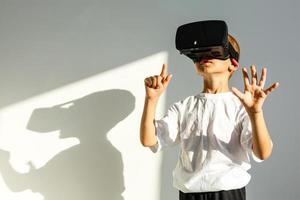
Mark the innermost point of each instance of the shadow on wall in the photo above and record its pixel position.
(91, 170)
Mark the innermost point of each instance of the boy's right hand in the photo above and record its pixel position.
(156, 85)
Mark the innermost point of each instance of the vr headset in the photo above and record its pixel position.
(205, 39)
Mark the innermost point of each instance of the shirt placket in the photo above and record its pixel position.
(203, 118)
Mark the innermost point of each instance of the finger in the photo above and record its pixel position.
(159, 82)
(254, 75)
(163, 72)
(156, 81)
(238, 93)
(148, 82)
(262, 93)
(246, 77)
(153, 79)
(271, 88)
(263, 78)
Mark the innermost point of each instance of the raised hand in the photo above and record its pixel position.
(155, 85)
(254, 93)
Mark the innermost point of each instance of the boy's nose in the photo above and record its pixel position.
(205, 60)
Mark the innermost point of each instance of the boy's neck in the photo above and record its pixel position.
(216, 85)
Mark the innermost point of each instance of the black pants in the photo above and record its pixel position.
(236, 194)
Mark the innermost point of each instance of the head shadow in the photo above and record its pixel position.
(92, 169)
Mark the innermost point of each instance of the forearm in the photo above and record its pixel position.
(147, 128)
(261, 140)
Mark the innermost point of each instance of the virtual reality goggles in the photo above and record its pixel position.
(205, 39)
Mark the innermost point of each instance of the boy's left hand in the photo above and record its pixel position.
(254, 94)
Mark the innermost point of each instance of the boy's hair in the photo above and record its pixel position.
(234, 44)
(236, 47)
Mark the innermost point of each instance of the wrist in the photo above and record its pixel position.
(151, 99)
(255, 114)
(254, 111)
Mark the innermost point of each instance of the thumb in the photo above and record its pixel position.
(167, 80)
(237, 93)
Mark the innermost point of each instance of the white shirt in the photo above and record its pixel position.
(215, 135)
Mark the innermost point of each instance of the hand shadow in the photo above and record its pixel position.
(91, 170)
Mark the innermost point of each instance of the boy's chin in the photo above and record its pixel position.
(212, 73)
(207, 70)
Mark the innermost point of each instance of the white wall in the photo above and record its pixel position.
(63, 63)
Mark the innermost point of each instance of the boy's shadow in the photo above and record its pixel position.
(91, 170)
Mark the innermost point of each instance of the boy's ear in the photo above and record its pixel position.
(234, 64)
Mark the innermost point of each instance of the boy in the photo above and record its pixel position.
(217, 129)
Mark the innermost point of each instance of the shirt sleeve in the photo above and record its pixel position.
(167, 129)
(246, 137)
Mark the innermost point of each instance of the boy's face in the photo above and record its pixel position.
(208, 67)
